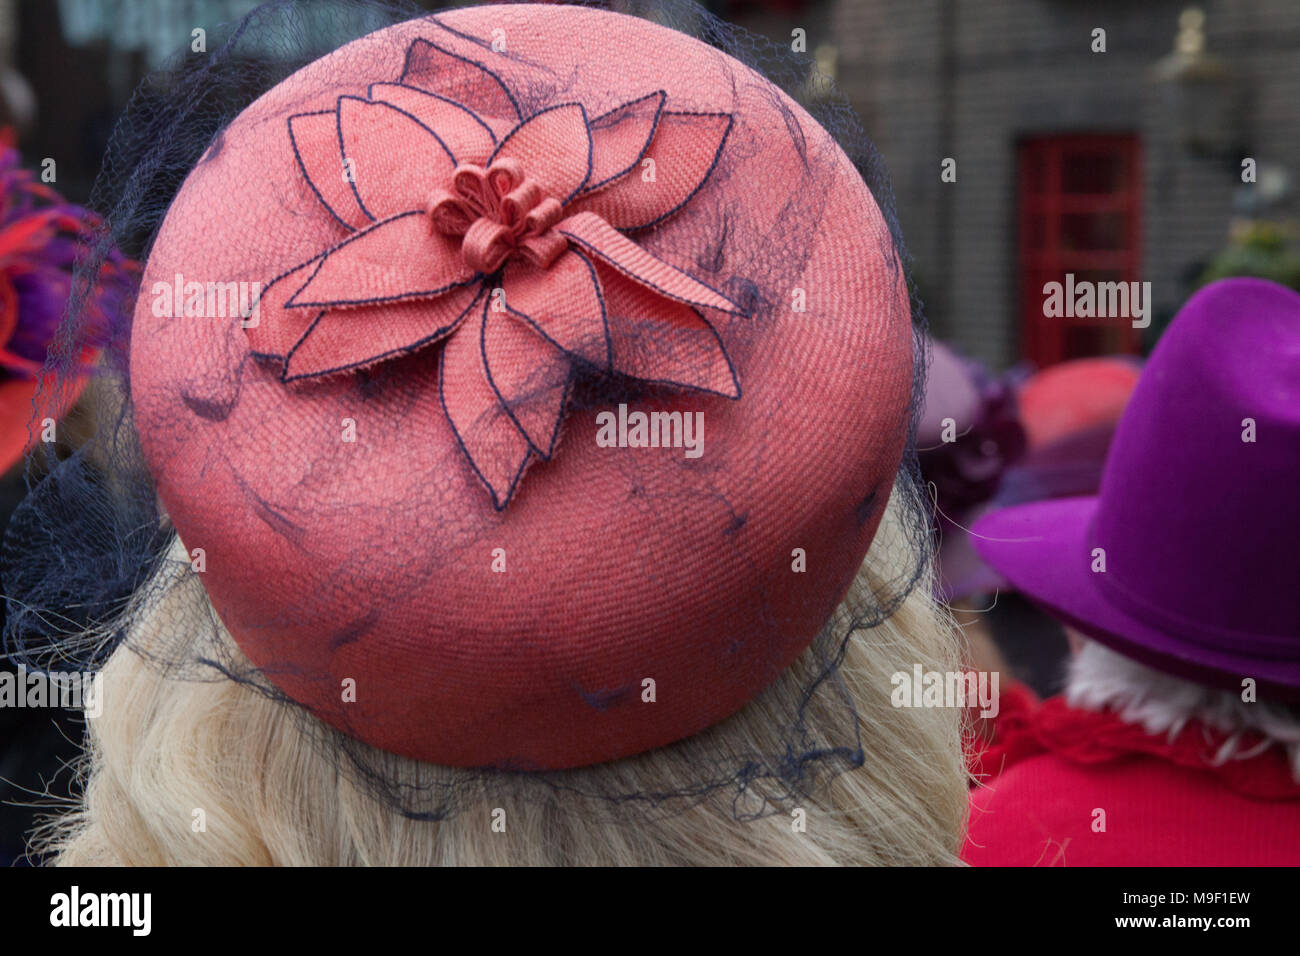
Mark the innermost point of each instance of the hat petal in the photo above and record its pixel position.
(620, 138)
(496, 449)
(315, 139)
(275, 328)
(396, 162)
(597, 237)
(684, 152)
(562, 304)
(397, 258)
(430, 67)
(657, 340)
(341, 340)
(469, 138)
(554, 147)
(530, 376)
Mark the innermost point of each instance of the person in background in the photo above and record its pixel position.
(41, 239)
(969, 434)
(988, 442)
(1177, 740)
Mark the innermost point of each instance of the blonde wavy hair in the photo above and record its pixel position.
(164, 748)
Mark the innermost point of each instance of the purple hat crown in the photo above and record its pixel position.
(1196, 512)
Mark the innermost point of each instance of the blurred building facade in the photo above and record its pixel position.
(1123, 165)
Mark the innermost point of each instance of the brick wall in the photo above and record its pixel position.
(1017, 68)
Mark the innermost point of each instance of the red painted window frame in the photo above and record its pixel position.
(1040, 160)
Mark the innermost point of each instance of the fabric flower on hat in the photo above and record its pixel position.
(511, 238)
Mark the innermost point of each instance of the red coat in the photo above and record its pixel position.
(1051, 770)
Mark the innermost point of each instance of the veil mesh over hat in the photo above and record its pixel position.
(389, 482)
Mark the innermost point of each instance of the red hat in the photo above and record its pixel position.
(497, 254)
(1075, 397)
(42, 238)
(16, 420)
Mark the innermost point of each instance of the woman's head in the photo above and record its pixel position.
(582, 321)
(527, 421)
(215, 772)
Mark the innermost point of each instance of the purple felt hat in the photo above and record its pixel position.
(1196, 514)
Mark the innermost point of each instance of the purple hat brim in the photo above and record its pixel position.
(1042, 550)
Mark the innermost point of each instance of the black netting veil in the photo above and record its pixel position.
(90, 549)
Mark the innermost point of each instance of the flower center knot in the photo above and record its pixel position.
(498, 211)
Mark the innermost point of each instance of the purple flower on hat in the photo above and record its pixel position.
(41, 238)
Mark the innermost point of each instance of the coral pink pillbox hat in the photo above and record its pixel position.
(476, 241)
